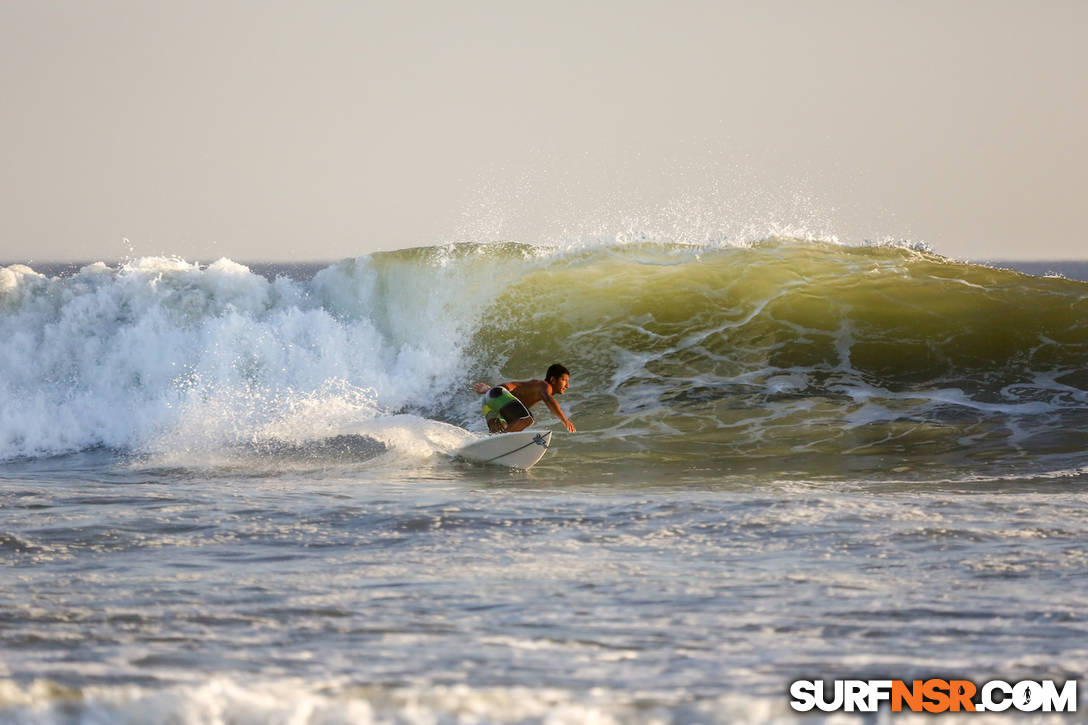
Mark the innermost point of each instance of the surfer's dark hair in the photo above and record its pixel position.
(556, 371)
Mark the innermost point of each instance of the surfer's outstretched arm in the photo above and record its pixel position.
(553, 406)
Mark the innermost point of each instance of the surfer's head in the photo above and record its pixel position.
(559, 378)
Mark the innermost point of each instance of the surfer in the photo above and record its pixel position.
(506, 406)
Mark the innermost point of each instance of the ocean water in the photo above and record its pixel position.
(227, 493)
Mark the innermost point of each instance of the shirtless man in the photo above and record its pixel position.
(506, 406)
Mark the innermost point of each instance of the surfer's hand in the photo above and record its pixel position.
(570, 426)
(481, 388)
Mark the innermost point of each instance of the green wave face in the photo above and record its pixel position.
(805, 356)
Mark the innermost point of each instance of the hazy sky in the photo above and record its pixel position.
(273, 129)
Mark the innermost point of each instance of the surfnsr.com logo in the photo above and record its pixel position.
(933, 695)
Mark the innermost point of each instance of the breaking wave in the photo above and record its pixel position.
(784, 355)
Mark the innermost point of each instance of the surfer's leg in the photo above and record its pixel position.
(516, 415)
(520, 424)
(504, 412)
(495, 402)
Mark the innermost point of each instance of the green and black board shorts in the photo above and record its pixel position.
(501, 403)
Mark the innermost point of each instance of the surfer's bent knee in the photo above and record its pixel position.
(504, 412)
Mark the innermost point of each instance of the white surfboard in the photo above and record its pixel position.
(514, 450)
